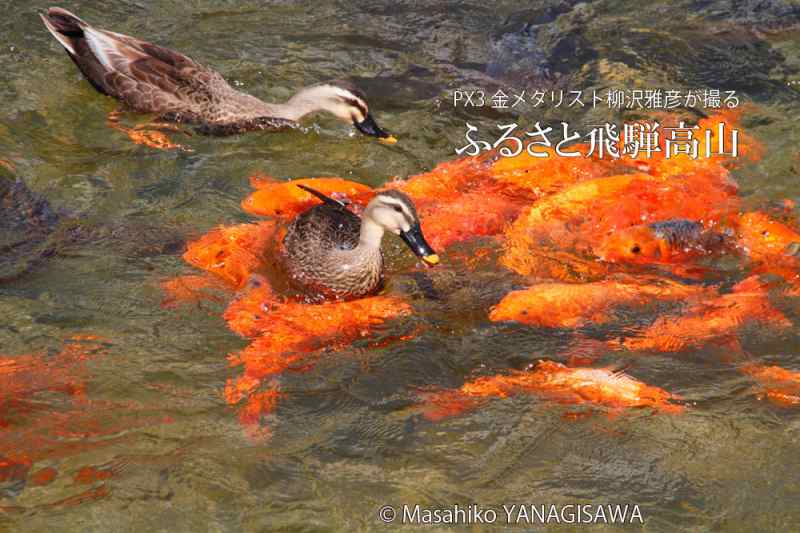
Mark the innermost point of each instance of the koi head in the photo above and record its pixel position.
(762, 236)
(660, 242)
(638, 244)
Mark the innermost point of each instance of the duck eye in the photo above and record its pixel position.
(398, 209)
(636, 249)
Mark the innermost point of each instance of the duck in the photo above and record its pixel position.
(332, 253)
(149, 78)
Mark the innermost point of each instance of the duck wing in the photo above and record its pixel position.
(323, 228)
(148, 77)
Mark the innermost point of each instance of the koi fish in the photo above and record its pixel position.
(257, 405)
(149, 135)
(23, 376)
(43, 428)
(554, 382)
(233, 253)
(550, 174)
(569, 305)
(669, 241)
(483, 211)
(291, 334)
(582, 215)
(762, 237)
(286, 199)
(191, 289)
(716, 320)
(447, 181)
(781, 386)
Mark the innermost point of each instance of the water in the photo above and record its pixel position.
(346, 439)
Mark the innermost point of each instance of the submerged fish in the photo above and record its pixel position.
(718, 320)
(780, 386)
(568, 305)
(555, 382)
(661, 242)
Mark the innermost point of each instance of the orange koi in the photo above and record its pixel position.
(90, 474)
(245, 315)
(191, 289)
(483, 211)
(716, 320)
(669, 241)
(233, 253)
(146, 134)
(569, 305)
(43, 476)
(44, 432)
(288, 334)
(532, 226)
(554, 382)
(550, 174)
(257, 405)
(762, 237)
(14, 472)
(583, 214)
(26, 375)
(286, 199)
(781, 386)
(446, 181)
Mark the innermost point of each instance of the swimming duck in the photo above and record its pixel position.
(153, 79)
(331, 252)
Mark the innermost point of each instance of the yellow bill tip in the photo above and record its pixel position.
(388, 140)
(432, 259)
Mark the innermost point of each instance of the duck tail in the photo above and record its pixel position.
(321, 196)
(65, 27)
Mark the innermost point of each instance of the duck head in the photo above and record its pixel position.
(346, 102)
(394, 211)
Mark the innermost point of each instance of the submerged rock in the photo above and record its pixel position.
(530, 48)
(32, 231)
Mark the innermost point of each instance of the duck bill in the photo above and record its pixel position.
(416, 241)
(368, 126)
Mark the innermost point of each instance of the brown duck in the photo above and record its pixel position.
(333, 253)
(152, 79)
